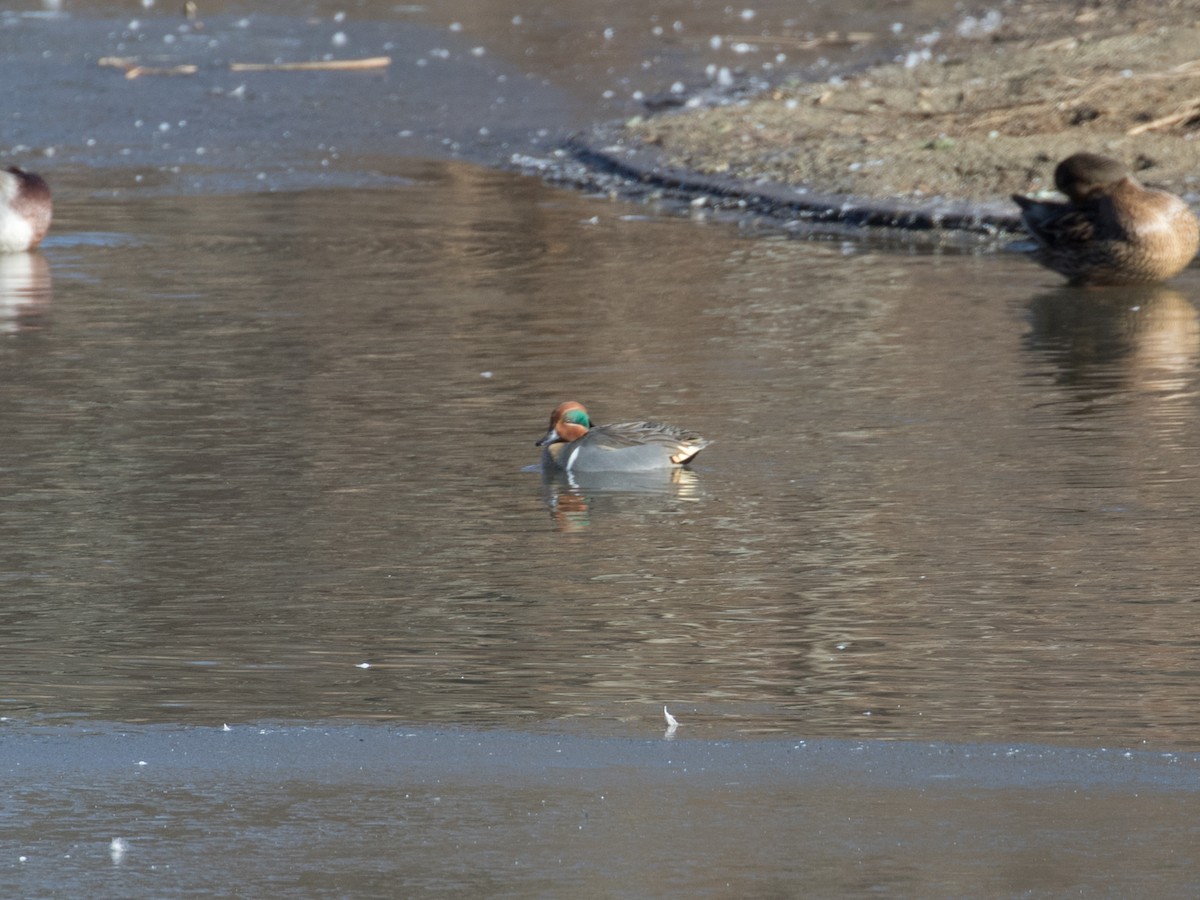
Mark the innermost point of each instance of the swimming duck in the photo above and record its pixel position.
(574, 444)
(24, 210)
(1113, 230)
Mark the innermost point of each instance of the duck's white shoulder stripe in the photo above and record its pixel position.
(571, 458)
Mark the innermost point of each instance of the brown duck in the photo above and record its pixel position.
(1113, 230)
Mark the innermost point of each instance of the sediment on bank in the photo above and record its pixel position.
(940, 138)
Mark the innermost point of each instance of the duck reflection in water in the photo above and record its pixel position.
(574, 499)
(24, 291)
(1141, 338)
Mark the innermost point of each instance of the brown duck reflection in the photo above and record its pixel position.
(24, 291)
(1145, 338)
(574, 500)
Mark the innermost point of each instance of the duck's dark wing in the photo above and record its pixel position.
(1056, 223)
(1067, 224)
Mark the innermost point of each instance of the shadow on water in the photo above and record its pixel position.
(342, 810)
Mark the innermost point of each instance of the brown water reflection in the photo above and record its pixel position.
(264, 439)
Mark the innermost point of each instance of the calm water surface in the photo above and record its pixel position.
(925, 608)
(255, 441)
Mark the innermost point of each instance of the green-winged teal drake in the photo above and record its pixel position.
(574, 444)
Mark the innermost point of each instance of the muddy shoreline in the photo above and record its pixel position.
(636, 171)
(934, 141)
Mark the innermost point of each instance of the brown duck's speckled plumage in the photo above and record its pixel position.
(1112, 229)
